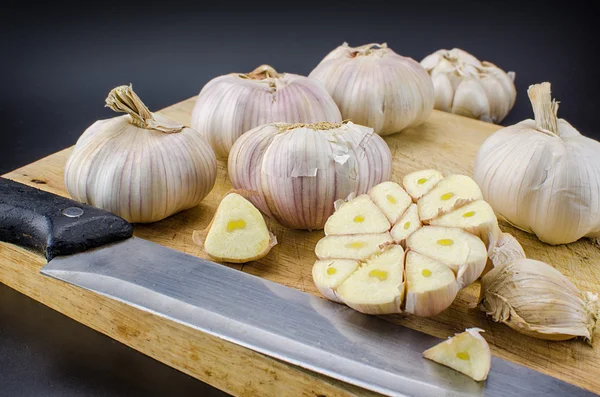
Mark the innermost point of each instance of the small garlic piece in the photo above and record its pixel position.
(230, 105)
(467, 352)
(450, 193)
(543, 176)
(359, 215)
(374, 86)
(140, 166)
(419, 183)
(468, 87)
(237, 233)
(537, 300)
(391, 199)
(299, 170)
(351, 246)
(328, 274)
(408, 223)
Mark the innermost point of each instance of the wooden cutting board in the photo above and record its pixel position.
(446, 142)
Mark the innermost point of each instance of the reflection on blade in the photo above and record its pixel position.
(287, 324)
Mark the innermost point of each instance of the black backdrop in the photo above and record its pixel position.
(59, 61)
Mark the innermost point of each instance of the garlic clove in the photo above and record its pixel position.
(238, 232)
(391, 199)
(452, 247)
(328, 274)
(498, 99)
(430, 285)
(355, 246)
(506, 250)
(450, 192)
(471, 101)
(407, 224)
(444, 92)
(467, 352)
(359, 215)
(477, 218)
(377, 287)
(420, 182)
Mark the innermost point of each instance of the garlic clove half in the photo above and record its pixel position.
(450, 193)
(238, 232)
(419, 183)
(232, 104)
(354, 246)
(407, 224)
(328, 274)
(452, 247)
(377, 287)
(360, 215)
(430, 285)
(391, 199)
(467, 352)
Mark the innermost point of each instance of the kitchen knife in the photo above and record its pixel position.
(95, 250)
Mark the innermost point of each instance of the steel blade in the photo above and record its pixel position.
(287, 324)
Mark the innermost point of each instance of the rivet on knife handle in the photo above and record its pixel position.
(54, 225)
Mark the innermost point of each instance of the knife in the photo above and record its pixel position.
(96, 250)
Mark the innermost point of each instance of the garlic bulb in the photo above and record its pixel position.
(374, 86)
(543, 176)
(141, 166)
(230, 105)
(537, 300)
(299, 170)
(468, 87)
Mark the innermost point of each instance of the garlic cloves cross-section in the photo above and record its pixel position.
(467, 352)
(360, 215)
(330, 274)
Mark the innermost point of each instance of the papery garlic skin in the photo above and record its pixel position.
(468, 87)
(374, 86)
(298, 171)
(230, 105)
(142, 166)
(541, 181)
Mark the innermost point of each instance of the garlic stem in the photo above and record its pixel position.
(367, 49)
(124, 99)
(262, 72)
(545, 108)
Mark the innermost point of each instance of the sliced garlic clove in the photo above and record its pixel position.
(377, 287)
(238, 232)
(407, 224)
(359, 215)
(391, 199)
(355, 246)
(470, 101)
(420, 182)
(444, 92)
(328, 274)
(477, 218)
(449, 193)
(467, 352)
(430, 285)
(453, 247)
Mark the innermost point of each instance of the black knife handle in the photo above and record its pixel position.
(54, 225)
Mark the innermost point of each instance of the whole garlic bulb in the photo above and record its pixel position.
(298, 171)
(543, 176)
(141, 166)
(375, 87)
(468, 87)
(235, 103)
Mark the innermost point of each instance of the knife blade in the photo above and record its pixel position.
(95, 250)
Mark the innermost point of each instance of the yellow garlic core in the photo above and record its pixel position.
(463, 356)
(331, 271)
(468, 214)
(380, 274)
(422, 181)
(426, 272)
(445, 242)
(356, 244)
(236, 225)
(447, 196)
(406, 225)
(391, 199)
(359, 219)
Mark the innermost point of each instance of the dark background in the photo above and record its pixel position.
(59, 61)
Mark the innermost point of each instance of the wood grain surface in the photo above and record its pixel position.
(445, 142)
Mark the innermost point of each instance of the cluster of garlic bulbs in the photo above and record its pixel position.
(543, 176)
(230, 105)
(298, 171)
(375, 87)
(408, 249)
(468, 87)
(140, 166)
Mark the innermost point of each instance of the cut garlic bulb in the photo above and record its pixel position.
(543, 176)
(430, 285)
(468, 87)
(140, 166)
(374, 86)
(359, 215)
(448, 194)
(237, 233)
(467, 352)
(537, 300)
(377, 287)
(299, 170)
(230, 105)
(391, 198)
(421, 182)
(353, 246)
(407, 224)
(330, 273)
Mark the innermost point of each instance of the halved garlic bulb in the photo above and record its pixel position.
(468, 87)
(232, 104)
(374, 86)
(299, 170)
